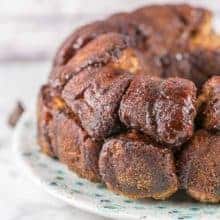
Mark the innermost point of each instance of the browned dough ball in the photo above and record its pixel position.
(60, 135)
(199, 167)
(107, 49)
(137, 167)
(94, 95)
(75, 148)
(161, 108)
(79, 38)
(209, 104)
(45, 111)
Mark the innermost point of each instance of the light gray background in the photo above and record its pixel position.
(30, 31)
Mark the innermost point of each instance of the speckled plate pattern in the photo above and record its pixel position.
(57, 180)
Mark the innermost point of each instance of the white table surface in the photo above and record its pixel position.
(25, 53)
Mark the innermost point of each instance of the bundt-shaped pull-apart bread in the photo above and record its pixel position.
(136, 166)
(199, 167)
(126, 94)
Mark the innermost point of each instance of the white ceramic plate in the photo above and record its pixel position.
(57, 180)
